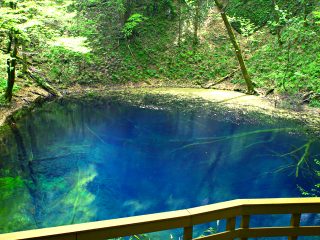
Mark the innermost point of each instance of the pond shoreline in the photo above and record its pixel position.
(231, 100)
(25, 98)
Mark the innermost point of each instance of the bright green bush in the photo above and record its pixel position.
(130, 27)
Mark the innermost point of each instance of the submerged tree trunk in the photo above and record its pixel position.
(26, 166)
(31, 128)
(236, 48)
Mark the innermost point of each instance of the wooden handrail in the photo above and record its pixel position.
(187, 218)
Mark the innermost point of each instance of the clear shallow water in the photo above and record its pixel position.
(72, 162)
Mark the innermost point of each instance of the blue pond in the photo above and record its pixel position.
(73, 162)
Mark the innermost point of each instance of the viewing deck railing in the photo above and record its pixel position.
(187, 218)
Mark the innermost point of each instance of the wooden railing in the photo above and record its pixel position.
(187, 218)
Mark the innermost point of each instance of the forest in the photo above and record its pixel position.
(268, 45)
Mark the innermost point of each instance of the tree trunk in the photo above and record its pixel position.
(196, 23)
(180, 23)
(13, 5)
(155, 8)
(24, 59)
(11, 70)
(15, 47)
(277, 18)
(9, 46)
(305, 13)
(236, 48)
(127, 11)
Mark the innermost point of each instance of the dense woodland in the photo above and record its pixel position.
(262, 44)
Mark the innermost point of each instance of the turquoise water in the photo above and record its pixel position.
(68, 162)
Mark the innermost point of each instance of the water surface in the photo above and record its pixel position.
(69, 162)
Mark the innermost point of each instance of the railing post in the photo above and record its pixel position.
(187, 233)
(295, 222)
(245, 223)
(231, 224)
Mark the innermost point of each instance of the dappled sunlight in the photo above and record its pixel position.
(75, 44)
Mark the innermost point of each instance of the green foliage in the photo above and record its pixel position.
(40, 27)
(257, 11)
(154, 55)
(292, 67)
(260, 12)
(316, 15)
(130, 27)
(280, 21)
(3, 85)
(315, 103)
(83, 41)
(65, 64)
(245, 26)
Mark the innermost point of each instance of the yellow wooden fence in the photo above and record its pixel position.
(187, 218)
